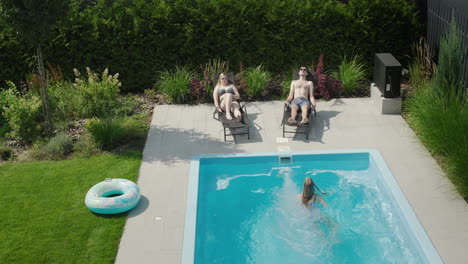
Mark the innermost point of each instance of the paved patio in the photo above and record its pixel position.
(154, 230)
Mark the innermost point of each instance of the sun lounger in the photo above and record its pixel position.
(233, 127)
(299, 128)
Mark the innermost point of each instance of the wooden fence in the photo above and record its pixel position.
(439, 17)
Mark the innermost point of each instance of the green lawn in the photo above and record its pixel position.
(43, 217)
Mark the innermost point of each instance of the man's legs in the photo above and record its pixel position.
(304, 109)
(292, 119)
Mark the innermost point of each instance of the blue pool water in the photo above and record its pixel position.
(247, 211)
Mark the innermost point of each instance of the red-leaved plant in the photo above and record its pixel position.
(239, 82)
(197, 90)
(327, 86)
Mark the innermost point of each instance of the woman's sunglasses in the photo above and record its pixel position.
(224, 78)
(303, 69)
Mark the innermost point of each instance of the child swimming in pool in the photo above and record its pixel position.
(308, 196)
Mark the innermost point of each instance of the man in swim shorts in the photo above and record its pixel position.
(301, 96)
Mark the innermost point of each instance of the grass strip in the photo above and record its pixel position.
(43, 215)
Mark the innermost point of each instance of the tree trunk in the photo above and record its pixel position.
(44, 93)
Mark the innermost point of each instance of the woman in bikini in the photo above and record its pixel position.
(223, 95)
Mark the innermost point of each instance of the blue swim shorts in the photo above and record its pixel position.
(300, 102)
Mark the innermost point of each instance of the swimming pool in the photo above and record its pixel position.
(243, 208)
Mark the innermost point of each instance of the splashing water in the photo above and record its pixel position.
(258, 218)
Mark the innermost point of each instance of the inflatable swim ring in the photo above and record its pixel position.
(112, 196)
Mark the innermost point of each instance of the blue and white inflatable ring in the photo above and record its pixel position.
(112, 196)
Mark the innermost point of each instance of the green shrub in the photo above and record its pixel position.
(98, 95)
(3, 129)
(274, 89)
(139, 38)
(111, 132)
(126, 105)
(6, 152)
(150, 93)
(135, 127)
(351, 72)
(14, 54)
(438, 112)
(64, 100)
(448, 81)
(22, 113)
(417, 75)
(107, 132)
(289, 75)
(57, 148)
(241, 86)
(7, 98)
(286, 85)
(88, 96)
(441, 124)
(37, 150)
(422, 67)
(175, 85)
(210, 69)
(86, 147)
(257, 80)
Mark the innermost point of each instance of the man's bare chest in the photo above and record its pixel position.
(301, 86)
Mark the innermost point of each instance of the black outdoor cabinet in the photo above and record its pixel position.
(387, 74)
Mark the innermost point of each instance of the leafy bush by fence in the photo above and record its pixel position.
(21, 113)
(438, 111)
(256, 80)
(351, 72)
(57, 148)
(6, 152)
(89, 96)
(175, 84)
(139, 38)
(15, 57)
(110, 132)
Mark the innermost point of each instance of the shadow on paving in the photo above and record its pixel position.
(170, 145)
(140, 208)
(254, 131)
(338, 102)
(319, 125)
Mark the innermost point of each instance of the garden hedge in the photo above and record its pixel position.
(139, 38)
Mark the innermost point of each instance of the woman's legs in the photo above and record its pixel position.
(226, 102)
(236, 110)
(229, 106)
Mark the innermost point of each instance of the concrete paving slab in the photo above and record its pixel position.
(154, 229)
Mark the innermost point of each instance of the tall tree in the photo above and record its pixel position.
(33, 20)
